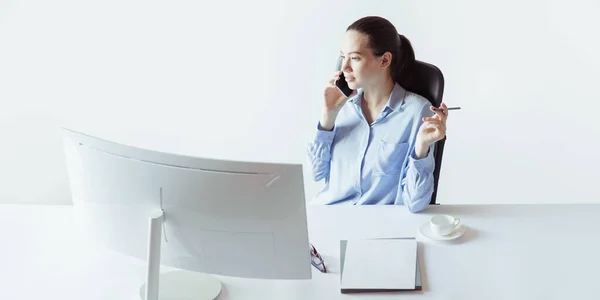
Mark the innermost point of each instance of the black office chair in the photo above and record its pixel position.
(427, 80)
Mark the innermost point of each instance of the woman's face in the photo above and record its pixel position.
(361, 68)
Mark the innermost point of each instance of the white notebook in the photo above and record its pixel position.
(379, 265)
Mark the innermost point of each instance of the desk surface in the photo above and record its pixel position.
(509, 252)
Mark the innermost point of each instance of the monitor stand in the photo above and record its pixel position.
(176, 284)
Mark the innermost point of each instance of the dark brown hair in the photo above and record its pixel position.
(384, 37)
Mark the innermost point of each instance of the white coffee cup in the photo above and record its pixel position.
(443, 224)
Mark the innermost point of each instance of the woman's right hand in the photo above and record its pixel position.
(334, 99)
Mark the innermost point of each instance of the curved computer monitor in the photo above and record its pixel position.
(233, 218)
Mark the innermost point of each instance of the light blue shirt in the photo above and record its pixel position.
(364, 164)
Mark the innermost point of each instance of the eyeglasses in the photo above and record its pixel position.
(317, 260)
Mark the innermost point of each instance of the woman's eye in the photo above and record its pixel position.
(354, 58)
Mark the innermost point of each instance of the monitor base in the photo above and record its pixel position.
(186, 285)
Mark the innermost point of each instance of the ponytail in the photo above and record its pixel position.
(403, 62)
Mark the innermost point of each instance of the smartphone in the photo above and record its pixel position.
(341, 83)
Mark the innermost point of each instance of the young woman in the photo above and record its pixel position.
(376, 147)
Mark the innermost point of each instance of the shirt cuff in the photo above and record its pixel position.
(324, 135)
(426, 163)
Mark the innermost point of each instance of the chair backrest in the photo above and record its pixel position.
(427, 80)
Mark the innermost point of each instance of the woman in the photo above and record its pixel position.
(376, 147)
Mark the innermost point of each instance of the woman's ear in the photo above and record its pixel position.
(386, 60)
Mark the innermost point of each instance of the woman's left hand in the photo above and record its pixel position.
(432, 130)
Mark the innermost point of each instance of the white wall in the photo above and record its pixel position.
(236, 81)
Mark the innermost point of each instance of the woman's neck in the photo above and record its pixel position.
(377, 95)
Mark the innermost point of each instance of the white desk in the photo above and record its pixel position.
(509, 252)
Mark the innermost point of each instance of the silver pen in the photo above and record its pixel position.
(449, 108)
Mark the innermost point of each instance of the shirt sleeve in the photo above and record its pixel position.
(319, 152)
(417, 182)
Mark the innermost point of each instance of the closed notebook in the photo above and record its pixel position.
(379, 265)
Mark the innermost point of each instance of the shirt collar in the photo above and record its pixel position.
(394, 102)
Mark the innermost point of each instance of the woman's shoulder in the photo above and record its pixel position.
(416, 103)
(415, 99)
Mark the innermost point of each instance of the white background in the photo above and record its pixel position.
(243, 80)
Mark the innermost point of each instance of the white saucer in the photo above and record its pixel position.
(426, 232)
